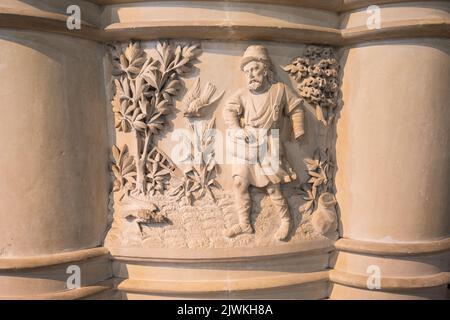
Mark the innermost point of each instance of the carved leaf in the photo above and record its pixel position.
(116, 153)
(116, 171)
(189, 52)
(116, 186)
(314, 174)
(311, 164)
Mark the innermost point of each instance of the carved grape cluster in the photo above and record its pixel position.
(316, 74)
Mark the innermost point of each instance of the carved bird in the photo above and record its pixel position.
(195, 100)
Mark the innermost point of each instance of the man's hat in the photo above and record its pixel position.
(255, 53)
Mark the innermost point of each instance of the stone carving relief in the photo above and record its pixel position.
(254, 113)
(160, 201)
(318, 192)
(316, 74)
(195, 100)
(145, 89)
(199, 178)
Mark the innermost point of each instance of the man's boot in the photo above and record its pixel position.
(280, 206)
(284, 228)
(243, 203)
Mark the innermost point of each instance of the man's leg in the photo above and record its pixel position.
(280, 206)
(243, 204)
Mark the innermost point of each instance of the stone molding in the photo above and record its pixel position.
(75, 294)
(248, 28)
(391, 283)
(331, 5)
(235, 254)
(45, 277)
(392, 249)
(218, 255)
(222, 286)
(22, 263)
(216, 287)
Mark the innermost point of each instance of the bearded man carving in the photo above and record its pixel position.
(259, 114)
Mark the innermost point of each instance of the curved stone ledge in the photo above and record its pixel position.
(179, 287)
(220, 255)
(249, 26)
(75, 294)
(221, 31)
(331, 5)
(392, 249)
(391, 283)
(15, 264)
(420, 28)
(54, 23)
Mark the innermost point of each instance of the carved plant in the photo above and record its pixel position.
(145, 88)
(183, 188)
(157, 176)
(124, 170)
(316, 75)
(129, 62)
(199, 178)
(320, 170)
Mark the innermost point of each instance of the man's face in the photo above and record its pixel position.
(255, 73)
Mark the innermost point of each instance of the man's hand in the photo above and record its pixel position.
(244, 135)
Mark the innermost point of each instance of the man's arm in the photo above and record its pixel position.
(298, 119)
(295, 112)
(232, 112)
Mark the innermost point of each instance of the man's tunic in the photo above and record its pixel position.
(264, 159)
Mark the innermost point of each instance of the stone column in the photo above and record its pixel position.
(54, 182)
(393, 178)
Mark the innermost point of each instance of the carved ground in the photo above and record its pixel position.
(202, 224)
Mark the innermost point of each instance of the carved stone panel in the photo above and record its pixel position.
(222, 145)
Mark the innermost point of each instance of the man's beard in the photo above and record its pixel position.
(254, 85)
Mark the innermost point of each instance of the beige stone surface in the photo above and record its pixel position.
(400, 137)
(53, 191)
(376, 140)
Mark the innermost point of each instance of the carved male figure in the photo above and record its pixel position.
(265, 105)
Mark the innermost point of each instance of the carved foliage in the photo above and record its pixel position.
(316, 74)
(145, 88)
(159, 169)
(199, 178)
(124, 170)
(321, 171)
